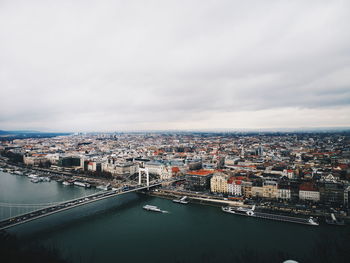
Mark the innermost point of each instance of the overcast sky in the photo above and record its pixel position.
(137, 65)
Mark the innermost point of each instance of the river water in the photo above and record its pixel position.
(119, 230)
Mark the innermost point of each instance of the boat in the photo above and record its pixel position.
(104, 187)
(252, 213)
(334, 221)
(35, 180)
(79, 184)
(66, 183)
(152, 208)
(182, 200)
(82, 184)
(45, 179)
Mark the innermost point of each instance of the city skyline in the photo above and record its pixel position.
(120, 66)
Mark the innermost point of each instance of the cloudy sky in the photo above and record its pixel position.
(138, 65)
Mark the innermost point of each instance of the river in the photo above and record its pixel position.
(119, 230)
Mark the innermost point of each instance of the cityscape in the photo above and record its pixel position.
(296, 177)
(174, 131)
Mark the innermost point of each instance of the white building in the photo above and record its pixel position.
(309, 195)
(234, 187)
(218, 183)
(161, 170)
(91, 166)
(289, 173)
(308, 192)
(120, 169)
(284, 193)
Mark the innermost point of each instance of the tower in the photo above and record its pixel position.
(143, 171)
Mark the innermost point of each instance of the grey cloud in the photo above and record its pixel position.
(107, 64)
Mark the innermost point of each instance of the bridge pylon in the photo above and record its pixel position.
(143, 171)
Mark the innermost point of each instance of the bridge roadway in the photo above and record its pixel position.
(24, 218)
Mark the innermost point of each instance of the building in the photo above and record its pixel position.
(120, 169)
(260, 151)
(331, 193)
(247, 189)
(218, 184)
(230, 160)
(68, 161)
(346, 197)
(94, 166)
(294, 190)
(159, 169)
(257, 189)
(198, 180)
(234, 187)
(35, 159)
(284, 192)
(270, 189)
(289, 173)
(309, 192)
(193, 164)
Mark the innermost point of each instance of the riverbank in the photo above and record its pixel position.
(59, 176)
(167, 194)
(204, 200)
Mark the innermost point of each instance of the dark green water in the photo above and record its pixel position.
(119, 230)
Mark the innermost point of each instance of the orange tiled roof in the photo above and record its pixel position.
(200, 172)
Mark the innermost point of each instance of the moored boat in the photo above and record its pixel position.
(87, 185)
(182, 200)
(252, 213)
(104, 187)
(35, 180)
(334, 221)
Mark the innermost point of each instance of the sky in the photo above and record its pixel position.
(174, 65)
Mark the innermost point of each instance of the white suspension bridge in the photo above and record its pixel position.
(21, 213)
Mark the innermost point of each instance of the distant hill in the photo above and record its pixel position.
(11, 135)
(18, 132)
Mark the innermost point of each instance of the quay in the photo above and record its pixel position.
(207, 200)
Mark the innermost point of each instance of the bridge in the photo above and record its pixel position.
(53, 208)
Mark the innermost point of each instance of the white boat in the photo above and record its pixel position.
(35, 180)
(250, 212)
(79, 184)
(152, 208)
(104, 187)
(182, 200)
(82, 184)
(66, 183)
